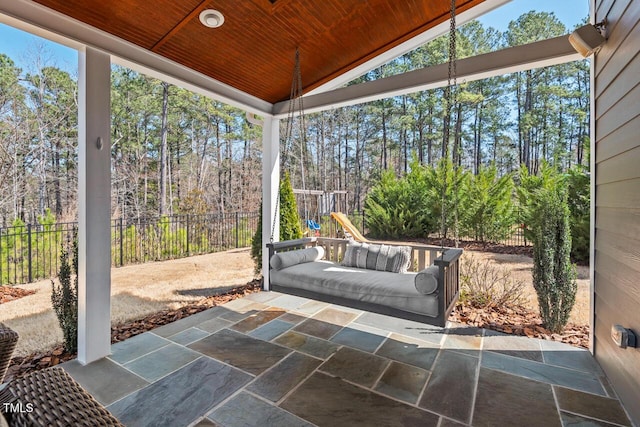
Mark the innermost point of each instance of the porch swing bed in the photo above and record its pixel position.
(415, 282)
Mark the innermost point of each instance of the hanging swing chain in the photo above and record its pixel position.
(303, 132)
(295, 95)
(450, 96)
(275, 217)
(454, 97)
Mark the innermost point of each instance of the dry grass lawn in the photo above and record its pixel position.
(139, 290)
(520, 269)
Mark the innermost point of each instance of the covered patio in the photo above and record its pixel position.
(262, 360)
(271, 359)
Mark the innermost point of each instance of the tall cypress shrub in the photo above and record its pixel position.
(290, 222)
(554, 277)
(64, 298)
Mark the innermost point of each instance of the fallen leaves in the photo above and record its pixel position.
(518, 320)
(11, 293)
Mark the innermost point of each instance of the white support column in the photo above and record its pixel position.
(94, 205)
(270, 187)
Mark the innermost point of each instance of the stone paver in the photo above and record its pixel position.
(161, 362)
(356, 366)
(277, 360)
(326, 401)
(246, 410)
(542, 372)
(104, 379)
(280, 379)
(311, 345)
(182, 397)
(404, 382)
(505, 399)
(242, 351)
(451, 386)
(128, 350)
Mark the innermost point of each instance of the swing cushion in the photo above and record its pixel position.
(381, 288)
(395, 259)
(287, 259)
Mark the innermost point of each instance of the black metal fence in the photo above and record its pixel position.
(516, 238)
(154, 239)
(32, 252)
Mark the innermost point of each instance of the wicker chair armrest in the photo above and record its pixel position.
(50, 397)
(8, 342)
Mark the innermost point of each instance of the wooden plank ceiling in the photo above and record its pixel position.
(254, 50)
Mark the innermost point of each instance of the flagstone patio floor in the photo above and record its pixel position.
(271, 359)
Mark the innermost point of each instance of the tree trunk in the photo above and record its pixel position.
(163, 150)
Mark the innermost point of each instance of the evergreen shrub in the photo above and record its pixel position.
(487, 208)
(578, 186)
(64, 298)
(554, 277)
(290, 222)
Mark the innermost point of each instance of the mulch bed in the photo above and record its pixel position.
(480, 246)
(20, 366)
(518, 320)
(10, 293)
(511, 320)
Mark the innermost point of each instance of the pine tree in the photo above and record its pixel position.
(554, 277)
(290, 223)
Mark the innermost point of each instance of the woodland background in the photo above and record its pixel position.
(177, 152)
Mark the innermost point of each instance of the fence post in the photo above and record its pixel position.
(188, 254)
(29, 252)
(237, 229)
(121, 243)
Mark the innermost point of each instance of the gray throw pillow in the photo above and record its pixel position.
(396, 259)
(287, 259)
(351, 254)
(426, 281)
(361, 257)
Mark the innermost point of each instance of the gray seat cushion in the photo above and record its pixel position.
(395, 290)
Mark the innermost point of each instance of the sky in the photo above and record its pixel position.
(20, 46)
(569, 12)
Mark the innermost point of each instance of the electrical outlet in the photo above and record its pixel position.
(623, 337)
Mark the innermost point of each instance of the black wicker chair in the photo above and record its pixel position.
(49, 397)
(8, 342)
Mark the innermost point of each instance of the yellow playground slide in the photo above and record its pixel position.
(349, 229)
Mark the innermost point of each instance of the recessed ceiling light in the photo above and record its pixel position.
(211, 18)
